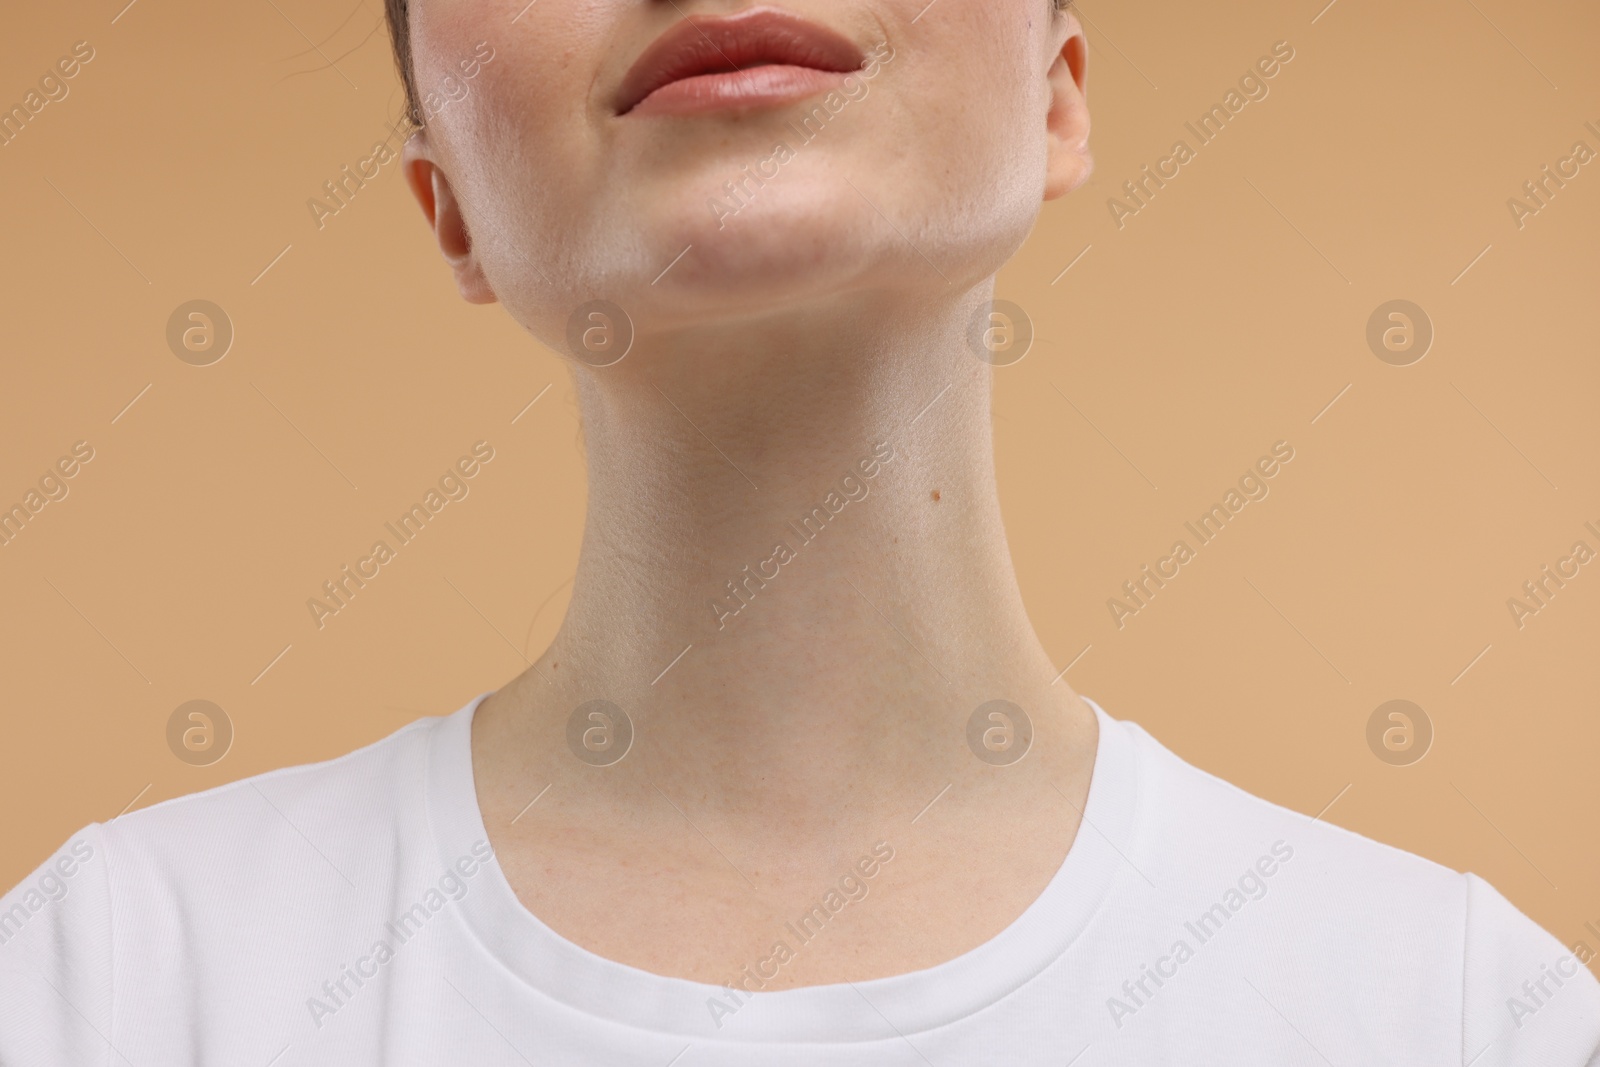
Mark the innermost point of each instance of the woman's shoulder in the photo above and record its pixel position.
(1193, 816)
(268, 869)
(1199, 835)
(305, 828)
(1352, 919)
(326, 821)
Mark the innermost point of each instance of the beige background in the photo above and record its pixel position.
(1225, 316)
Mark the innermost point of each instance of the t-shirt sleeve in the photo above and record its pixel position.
(1527, 1000)
(55, 960)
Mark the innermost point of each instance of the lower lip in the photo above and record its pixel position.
(757, 87)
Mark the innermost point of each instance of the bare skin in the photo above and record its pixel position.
(777, 746)
(783, 746)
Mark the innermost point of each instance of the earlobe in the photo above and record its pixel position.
(1070, 161)
(443, 211)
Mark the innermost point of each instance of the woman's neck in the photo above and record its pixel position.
(794, 575)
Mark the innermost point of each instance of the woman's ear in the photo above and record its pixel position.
(443, 211)
(1070, 161)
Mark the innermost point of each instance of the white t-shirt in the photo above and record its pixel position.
(351, 912)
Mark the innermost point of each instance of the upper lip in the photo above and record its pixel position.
(701, 44)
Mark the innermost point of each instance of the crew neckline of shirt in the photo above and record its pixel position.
(879, 1009)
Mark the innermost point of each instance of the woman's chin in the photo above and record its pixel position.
(797, 247)
(791, 246)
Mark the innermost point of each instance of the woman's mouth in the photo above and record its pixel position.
(760, 57)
